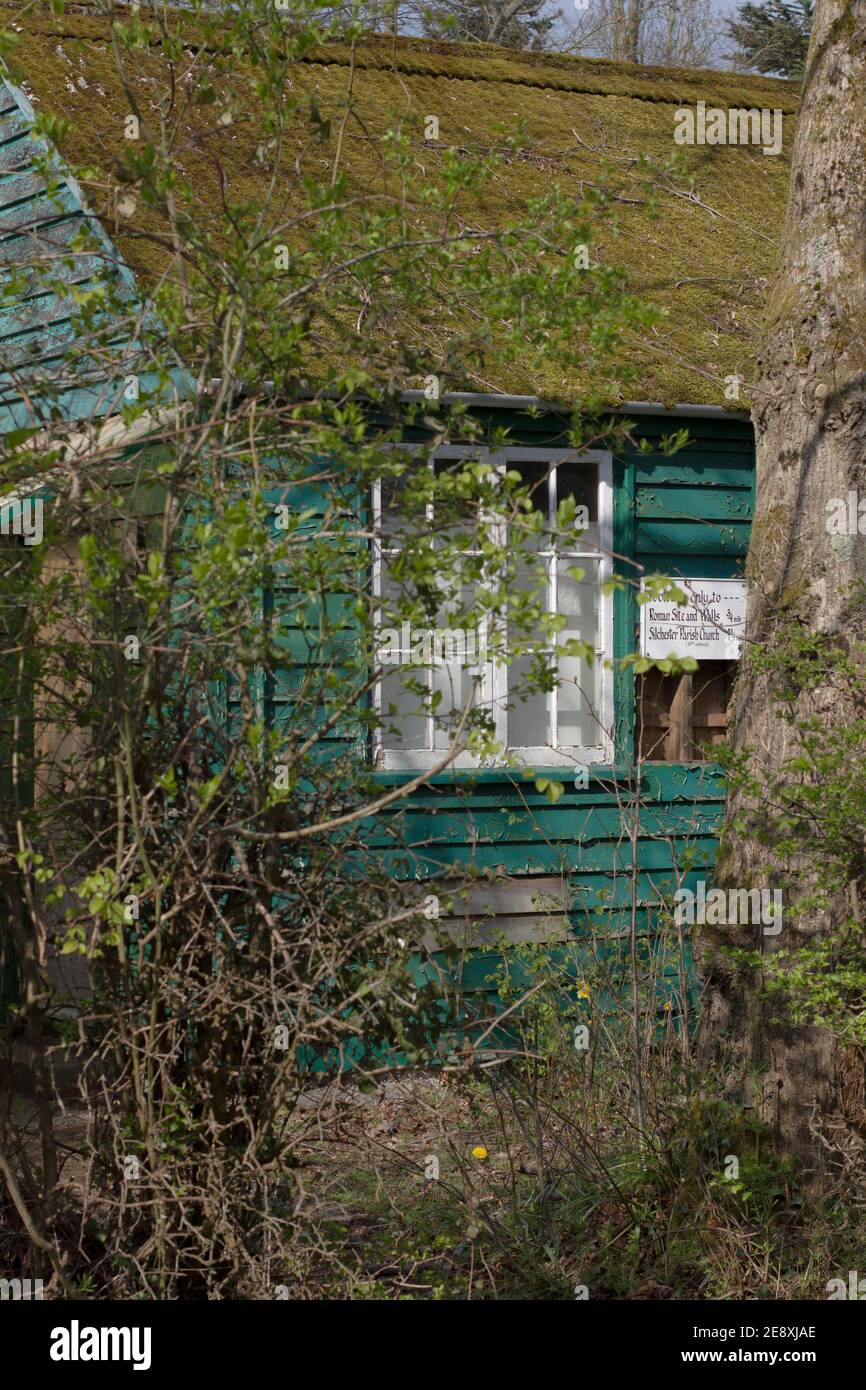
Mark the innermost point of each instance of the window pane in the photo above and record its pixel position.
(409, 718)
(577, 599)
(535, 474)
(456, 686)
(392, 506)
(455, 512)
(527, 722)
(579, 688)
(408, 724)
(389, 595)
(578, 704)
(456, 651)
(580, 481)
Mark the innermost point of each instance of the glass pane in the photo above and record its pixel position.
(397, 516)
(577, 599)
(578, 695)
(457, 652)
(455, 684)
(580, 481)
(407, 727)
(409, 721)
(456, 510)
(527, 721)
(535, 474)
(389, 596)
(579, 713)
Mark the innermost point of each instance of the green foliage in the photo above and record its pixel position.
(808, 816)
(774, 36)
(524, 26)
(195, 644)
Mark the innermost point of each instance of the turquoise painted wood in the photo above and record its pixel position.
(687, 516)
(42, 211)
(51, 245)
(494, 820)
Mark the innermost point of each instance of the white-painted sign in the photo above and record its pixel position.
(709, 627)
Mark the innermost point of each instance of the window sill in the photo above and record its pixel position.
(598, 773)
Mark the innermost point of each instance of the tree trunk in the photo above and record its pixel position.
(633, 21)
(810, 423)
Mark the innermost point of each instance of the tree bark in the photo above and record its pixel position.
(634, 14)
(810, 424)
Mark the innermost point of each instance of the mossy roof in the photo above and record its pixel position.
(704, 256)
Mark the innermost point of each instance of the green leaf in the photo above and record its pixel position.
(551, 790)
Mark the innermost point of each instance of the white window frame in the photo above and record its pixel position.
(495, 678)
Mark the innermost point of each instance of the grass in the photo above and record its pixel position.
(643, 1220)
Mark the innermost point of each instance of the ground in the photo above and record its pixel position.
(462, 1187)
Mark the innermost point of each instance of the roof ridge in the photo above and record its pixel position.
(524, 80)
(582, 74)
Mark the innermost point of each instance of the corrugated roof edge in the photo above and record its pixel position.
(418, 56)
(486, 400)
(482, 400)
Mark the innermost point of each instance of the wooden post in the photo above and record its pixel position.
(678, 745)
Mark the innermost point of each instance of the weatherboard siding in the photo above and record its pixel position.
(687, 515)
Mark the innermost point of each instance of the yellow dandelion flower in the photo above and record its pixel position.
(480, 1153)
(583, 991)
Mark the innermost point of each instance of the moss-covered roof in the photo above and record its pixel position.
(705, 256)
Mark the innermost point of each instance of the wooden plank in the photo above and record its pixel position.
(40, 346)
(685, 785)
(30, 277)
(26, 186)
(695, 566)
(16, 153)
(474, 807)
(661, 788)
(472, 935)
(678, 745)
(603, 856)
(48, 247)
(529, 909)
(697, 503)
(37, 212)
(77, 403)
(703, 433)
(14, 123)
(479, 970)
(680, 472)
(38, 311)
(692, 538)
(529, 894)
(546, 824)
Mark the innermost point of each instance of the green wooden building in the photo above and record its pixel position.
(643, 800)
